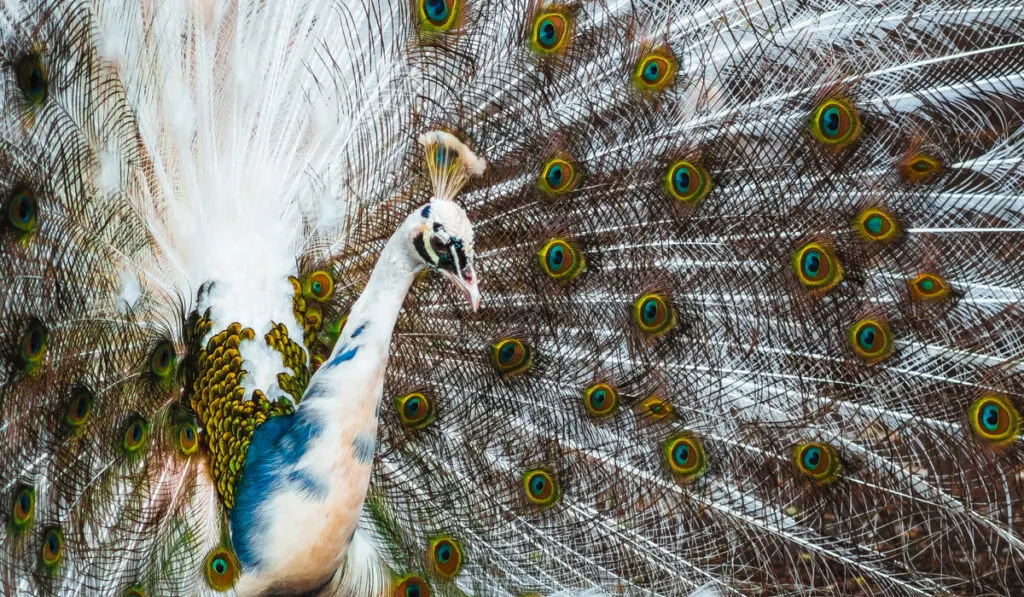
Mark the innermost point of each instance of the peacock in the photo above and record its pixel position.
(512, 298)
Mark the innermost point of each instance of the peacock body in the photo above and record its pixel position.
(744, 286)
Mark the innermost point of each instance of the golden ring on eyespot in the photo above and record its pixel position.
(23, 508)
(320, 285)
(871, 340)
(415, 410)
(920, 167)
(161, 362)
(188, 438)
(221, 569)
(816, 267)
(79, 407)
(835, 123)
(653, 314)
(559, 176)
(560, 260)
(135, 434)
(541, 487)
(445, 557)
(33, 344)
(876, 224)
(601, 400)
(656, 70)
(687, 182)
(818, 462)
(550, 33)
(52, 549)
(654, 408)
(685, 456)
(928, 287)
(412, 586)
(511, 356)
(995, 419)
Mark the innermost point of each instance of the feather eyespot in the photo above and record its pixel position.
(654, 315)
(816, 461)
(53, 548)
(550, 34)
(654, 408)
(685, 457)
(22, 211)
(438, 16)
(655, 70)
(601, 400)
(558, 177)
(188, 438)
(995, 420)
(135, 592)
(928, 287)
(817, 268)
(33, 346)
(412, 586)
(687, 182)
(560, 260)
(221, 569)
(835, 123)
(511, 357)
(23, 509)
(876, 224)
(871, 340)
(31, 78)
(161, 361)
(445, 557)
(920, 167)
(320, 285)
(541, 487)
(135, 435)
(415, 410)
(79, 407)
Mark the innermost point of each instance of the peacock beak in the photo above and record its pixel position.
(468, 283)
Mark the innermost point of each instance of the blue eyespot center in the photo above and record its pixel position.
(556, 257)
(812, 458)
(547, 34)
(990, 417)
(652, 71)
(927, 285)
(220, 565)
(830, 122)
(681, 180)
(412, 406)
(874, 225)
(812, 263)
(598, 398)
(444, 553)
(24, 502)
(681, 454)
(412, 591)
(867, 337)
(537, 485)
(555, 176)
(437, 11)
(507, 352)
(23, 209)
(649, 311)
(52, 542)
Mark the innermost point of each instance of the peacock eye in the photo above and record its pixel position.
(995, 419)
(33, 345)
(600, 400)
(53, 547)
(835, 123)
(438, 15)
(928, 287)
(320, 285)
(876, 224)
(31, 79)
(871, 340)
(541, 487)
(816, 461)
(656, 70)
(549, 33)
(558, 177)
(653, 314)
(135, 435)
(188, 438)
(412, 586)
(23, 509)
(79, 407)
(161, 361)
(135, 592)
(415, 410)
(511, 357)
(654, 408)
(687, 182)
(446, 557)
(560, 260)
(439, 246)
(685, 457)
(22, 211)
(817, 267)
(221, 569)
(920, 167)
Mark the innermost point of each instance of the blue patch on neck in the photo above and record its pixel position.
(342, 356)
(271, 467)
(359, 330)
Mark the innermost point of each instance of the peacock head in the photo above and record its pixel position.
(443, 236)
(443, 239)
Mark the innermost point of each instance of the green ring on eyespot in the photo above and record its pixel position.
(550, 33)
(79, 407)
(928, 287)
(653, 314)
(445, 557)
(560, 260)
(135, 435)
(438, 15)
(34, 342)
(412, 586)
(221, 569)
(871, 340)
(511, 357)
(835, 123)
(818, 462)
(22, 211)
(415, 410)
(161, 362)
(30, 76)
(52, 549)
(541, 487)
(687, 182)
(817, 267)
(685, 456)
(995, 420)
(600, 400)
(23, 508)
